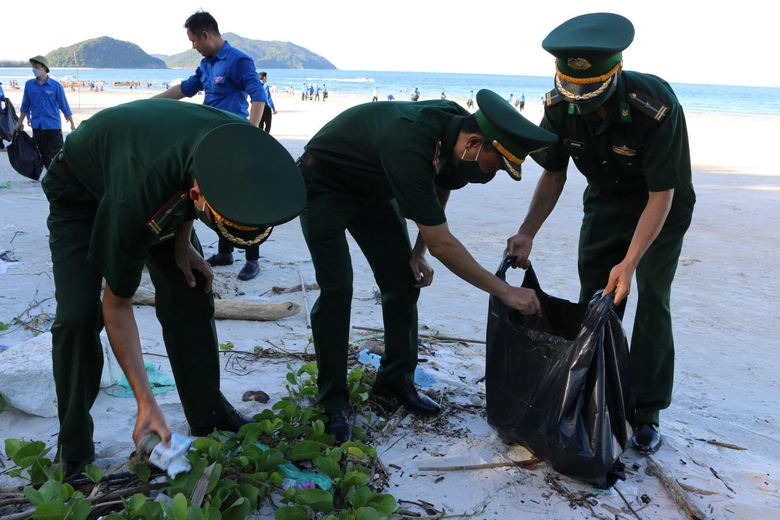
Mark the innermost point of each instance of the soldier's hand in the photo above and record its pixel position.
(519, 245)
(524, 300)
(423, 272)
(188, 259)
(150, 420)
(620, 281)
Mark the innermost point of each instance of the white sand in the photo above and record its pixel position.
(725, 306)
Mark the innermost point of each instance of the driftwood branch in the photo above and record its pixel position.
(233, 309)
(427, 336)
(675, 491)
(465, 467)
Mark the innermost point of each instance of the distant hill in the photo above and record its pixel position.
(267, 55)
(104, 53)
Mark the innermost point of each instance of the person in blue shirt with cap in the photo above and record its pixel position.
(42, 101)
(626, 132)
(226, 75)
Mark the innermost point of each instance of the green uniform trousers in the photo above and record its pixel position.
(607, 228)
(186, 316)
(382, 235)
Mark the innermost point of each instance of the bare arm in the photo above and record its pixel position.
(256, 112)
(172, 93)
(546, 195)
(647, 229)
(126, 344)
(423, 272)
(20, 124)
(451, 252)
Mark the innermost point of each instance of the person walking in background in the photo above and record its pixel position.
(42, 101)
(626, 132)
(304, 91)
(443, 95)
(470, 101)
(270, 109)
(367, 171)
(311, 92)
(521, 106)
(415, 94)
(3, 106)
(511, 99)
(324, 92)
(226, 75)
(317, 93)
(376, 94)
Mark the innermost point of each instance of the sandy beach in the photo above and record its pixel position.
(725, 306)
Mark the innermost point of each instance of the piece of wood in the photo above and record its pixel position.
(675, 491)
(426, 336)
(487, 465)
(233, 309)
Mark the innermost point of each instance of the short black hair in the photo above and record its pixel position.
(470, 126)
(263, 74)
(200, 22)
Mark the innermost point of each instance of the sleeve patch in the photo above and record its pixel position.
(647, 105)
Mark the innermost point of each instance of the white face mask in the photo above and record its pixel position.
(38, 72)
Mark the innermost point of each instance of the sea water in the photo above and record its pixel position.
(356, 84)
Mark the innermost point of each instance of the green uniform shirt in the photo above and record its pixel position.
(136, 162)
(643, 143)
(393, 150)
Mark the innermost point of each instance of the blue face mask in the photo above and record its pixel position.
(38, 73)
(470, 170)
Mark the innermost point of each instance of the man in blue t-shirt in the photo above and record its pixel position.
(226, 75)
(270, 109)
(42, 102)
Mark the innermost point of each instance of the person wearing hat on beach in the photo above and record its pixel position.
(227, 76)
(626, 132)
(123, 196)
(42, 101)
(369, 170)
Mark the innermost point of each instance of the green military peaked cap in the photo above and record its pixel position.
(249, 180)
(509, 132)
(42, 60)
(589, 52)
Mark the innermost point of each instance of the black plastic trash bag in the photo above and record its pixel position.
(8, 119)
(560, 384)
(24, 156)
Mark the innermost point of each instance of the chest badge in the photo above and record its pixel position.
(624, 150)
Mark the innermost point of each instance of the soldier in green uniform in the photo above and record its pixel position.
(366, 171)
(626, 133)
(121, 196)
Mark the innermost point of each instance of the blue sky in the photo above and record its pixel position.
(683, 42)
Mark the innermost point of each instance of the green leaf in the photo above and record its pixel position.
(12, 446)
(143, 472)
(238, 511)
(360, 497)
(384, 503)
(291, 378)
(328, 466)
(94, 473)
(366, 513)
(226, 346)
(319, 500)
(305, 450)
(319, 427)
(353, 478)
(179, 508)
(81, 510)
(4, 326)
(28, 453)
(290, 513)
(34, 496)
(49, 511)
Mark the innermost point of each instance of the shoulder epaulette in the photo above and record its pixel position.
(172, 207)
(647, 105)
(552, 98)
